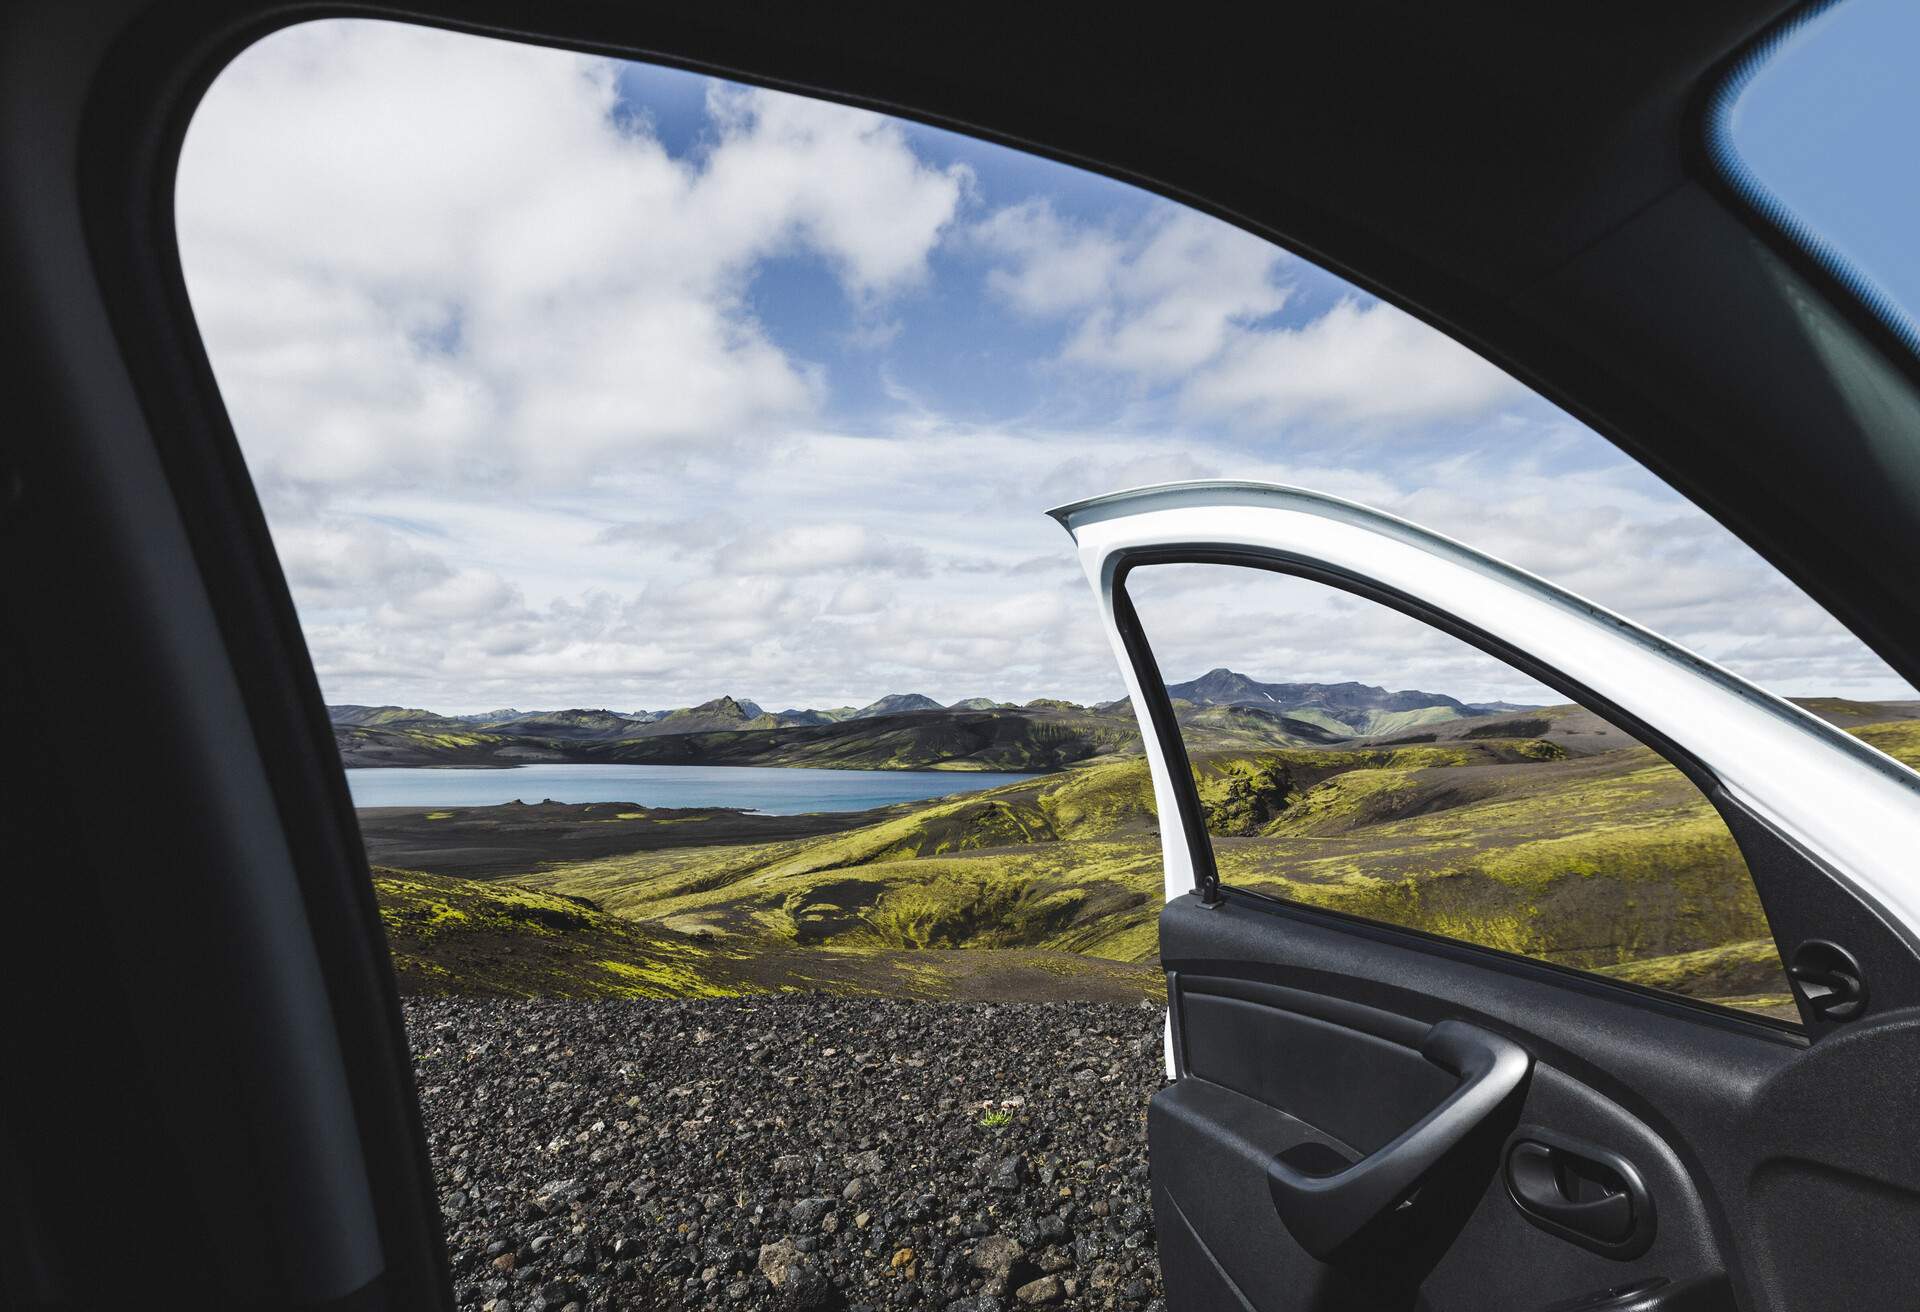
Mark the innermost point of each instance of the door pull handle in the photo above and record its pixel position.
(1579, 1191)
(1324, 1212)
(1539, 1184)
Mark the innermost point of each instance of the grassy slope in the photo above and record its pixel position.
(495, 939)
(1608, 861)
(1592, 861)
(1025, 739)
(1899, 739)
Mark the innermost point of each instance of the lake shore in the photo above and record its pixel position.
(483, 842)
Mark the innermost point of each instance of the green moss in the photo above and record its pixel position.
(1899, 739)
(1601, 862)
(657, 979)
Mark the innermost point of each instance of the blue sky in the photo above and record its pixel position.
(570, 382)
(1827, 125)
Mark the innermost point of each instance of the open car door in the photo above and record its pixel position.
(1364, 1115)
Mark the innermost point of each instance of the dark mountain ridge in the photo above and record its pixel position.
(1222, 708)
(1223, 687)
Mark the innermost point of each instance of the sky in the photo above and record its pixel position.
(571, 382)
(1848, 170)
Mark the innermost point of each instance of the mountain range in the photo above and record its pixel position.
(1346, 710)
(902, 731)
(591, 725)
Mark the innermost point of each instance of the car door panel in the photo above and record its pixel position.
(1654, 1152)
(1469, 1245)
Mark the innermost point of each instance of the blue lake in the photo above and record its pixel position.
(751, 788)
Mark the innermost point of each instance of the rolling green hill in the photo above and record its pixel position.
(496, 939)
(1598, 861)
(1561, 841)
(1001, 738)
(1018, 739)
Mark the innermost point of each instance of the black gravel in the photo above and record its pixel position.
(792, 1153)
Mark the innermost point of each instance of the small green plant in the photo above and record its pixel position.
(994, 1120)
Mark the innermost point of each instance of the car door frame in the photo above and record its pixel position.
(1813, 808)
(1822, 875)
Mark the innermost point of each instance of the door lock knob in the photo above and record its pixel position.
(1829, 979)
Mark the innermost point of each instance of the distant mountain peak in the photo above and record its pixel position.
(1363, 708)
(897, 703)
(723, 705)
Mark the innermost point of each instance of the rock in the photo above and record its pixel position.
(1037, 1293)
(1009, 1173)
(708, 1157)
(779, 1263)
(807, 1212)
(551, 1297)
(994, 1258)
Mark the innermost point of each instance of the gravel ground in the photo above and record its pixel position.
(797, 1152)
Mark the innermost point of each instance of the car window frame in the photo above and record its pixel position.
(1164, 725)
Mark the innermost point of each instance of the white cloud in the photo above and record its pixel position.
(1189, 301)
(1354, 366)
(821, 548)
(1155, 304)
(781, 583)
(491, 353)
(421, 256)
(1054, 267)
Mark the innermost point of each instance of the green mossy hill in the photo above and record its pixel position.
(1566, 847)
(453, 935)
(1850, 714)
(1899, 739)
(1037, 739)
(1744, 974)
(1589, 862)
(1214, 727)
(390, 717)
(362, 745)
(505, 840)
(1066, 862)
(457, 936)
(576, 723)
(1592, 861)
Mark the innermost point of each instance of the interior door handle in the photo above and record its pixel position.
(1533, 1170)
(1582, 1192)
(1324, 1212)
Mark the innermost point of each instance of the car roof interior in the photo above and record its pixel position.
(1532, 179)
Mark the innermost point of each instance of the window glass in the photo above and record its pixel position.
(1817, 129)
(1353, 758)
